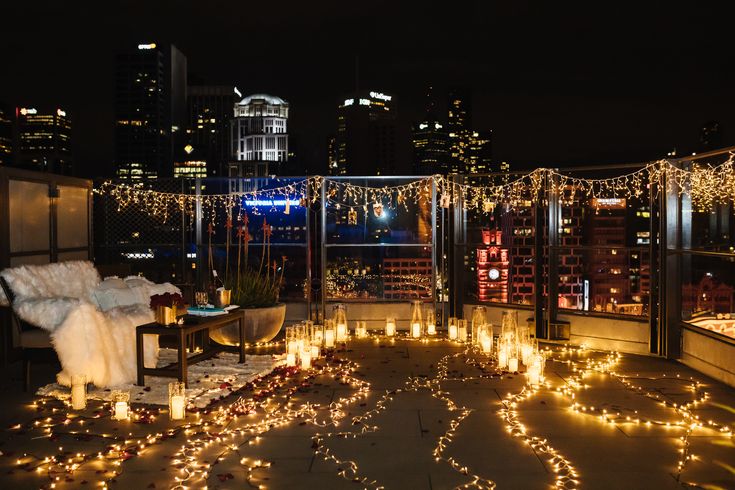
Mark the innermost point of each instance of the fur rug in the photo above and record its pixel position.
(60, 298)
(208, 380)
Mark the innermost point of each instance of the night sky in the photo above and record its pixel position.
(559, 84)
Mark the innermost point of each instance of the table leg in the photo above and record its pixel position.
(140, 356)
(241, 324)
(182, 358)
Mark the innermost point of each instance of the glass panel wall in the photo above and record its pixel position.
(378, 245)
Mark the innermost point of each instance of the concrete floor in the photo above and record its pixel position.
(395, 448)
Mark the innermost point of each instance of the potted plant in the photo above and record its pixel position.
(255, 291)
(164, 307)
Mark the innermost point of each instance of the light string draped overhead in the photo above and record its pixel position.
(708, 185)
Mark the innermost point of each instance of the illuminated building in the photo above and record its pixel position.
(150, 111)
(208, 131)
(492, 268)
(366, 135)
(609, 272)
(259, 136)
(44, 140)
(519, 229)
(333, 167)
(710, 136)
(6, 136)
(430, 148)
(406, 278)
(470, 150)
(709, 296)
(190, 169)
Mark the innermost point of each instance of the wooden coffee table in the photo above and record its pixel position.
(192, 325)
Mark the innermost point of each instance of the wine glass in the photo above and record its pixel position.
(201, 298)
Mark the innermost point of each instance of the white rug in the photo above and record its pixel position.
(208, 380)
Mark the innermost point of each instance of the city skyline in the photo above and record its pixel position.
(556, 85)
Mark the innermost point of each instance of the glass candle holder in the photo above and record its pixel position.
(176, 400)
(479, 318)
(120, 404)
(305, 357)
(78, 391)
(361, 329)
(462, 330)
(329, 334)
(390, 327)
(340, 320)
(452, 328)
(430, 321)
(416, 319)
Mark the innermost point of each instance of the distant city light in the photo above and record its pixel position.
(60, 113)
(364, 101)
(238, 92)
(147, 46)
(349, 101)
(29, 110)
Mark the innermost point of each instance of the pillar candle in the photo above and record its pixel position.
(462, 333)
(533, 374)
(431, 329)
(502, 358)
(390, 328)
(452, 332)
(487, 344)
(526, 353)
(290, 360)
(121, 410)
(78, 397)
(329, 338)
(178, 407)
(314, 351)
(416, 330)
(341, 332)
(513, 364)
(305, 357)
(292, 347)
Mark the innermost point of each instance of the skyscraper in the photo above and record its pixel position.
(470, 150)
(259, 136)
(430, 148)
(333, 167)
(150, 111)
(208, 130)
(43, 140)
(366, 134)
(6, 136)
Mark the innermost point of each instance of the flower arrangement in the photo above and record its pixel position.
(168, 300)
(254, 288)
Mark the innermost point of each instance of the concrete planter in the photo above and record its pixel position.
(261, 325)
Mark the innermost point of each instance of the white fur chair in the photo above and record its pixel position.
(91, 323)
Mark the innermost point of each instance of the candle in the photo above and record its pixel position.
(486, 343)
(78, 397)
(513, 364)
(121, 411)
(341, 332)
(462, 331)
(452, 332)
(292, 347)
(390, 327)
(314, 351)
(502, 358)
(329, 338)
(526, 353)
(305, 357)
(534, 375)
(178, 407)
(416, 330)
(318, 336)
(290, 360)
(431, 329)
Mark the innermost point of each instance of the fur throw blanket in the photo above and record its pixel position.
(97, 340)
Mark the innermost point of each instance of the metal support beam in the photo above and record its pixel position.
(538, 266)
(552, 277)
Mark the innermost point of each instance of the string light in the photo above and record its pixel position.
(708, 185)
